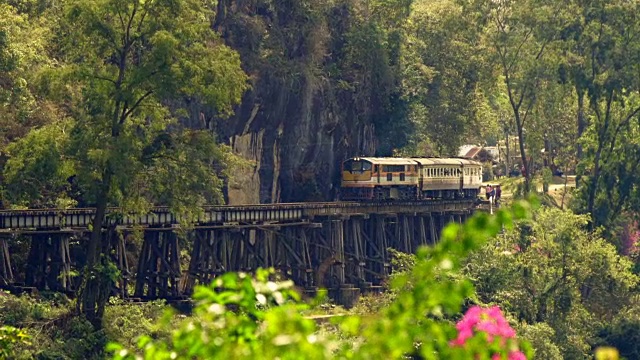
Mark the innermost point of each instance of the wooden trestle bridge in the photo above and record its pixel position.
(341, 246)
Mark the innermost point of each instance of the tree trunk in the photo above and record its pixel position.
(508, 161)
(523, 154)
(93, 294)
(593, 186)
(581, 127)
(582, 122)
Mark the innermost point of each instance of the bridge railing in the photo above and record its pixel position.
(162, 216)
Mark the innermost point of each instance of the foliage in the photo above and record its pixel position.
(56, 333)
(123, 133)
(604, 53)
(37, 170)
(441, 74)
(622, 332)
(541, 337)
(8, 337)
(23, 40)
(240, 316)
(520, 35)
(553, 271)
(124, 322)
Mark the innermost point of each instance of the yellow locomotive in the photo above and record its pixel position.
(371, 178)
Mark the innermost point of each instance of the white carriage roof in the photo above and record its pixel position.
(421, 161)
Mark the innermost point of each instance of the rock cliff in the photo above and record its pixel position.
(323, 89)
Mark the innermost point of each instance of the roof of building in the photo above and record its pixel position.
(473, 152)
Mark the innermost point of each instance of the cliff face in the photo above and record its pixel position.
(322, 90)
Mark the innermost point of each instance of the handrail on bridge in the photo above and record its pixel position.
(162, 215)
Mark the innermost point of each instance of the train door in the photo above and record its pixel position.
(420, 180)
(376, 169)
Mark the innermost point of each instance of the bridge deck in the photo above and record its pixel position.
(79, 219)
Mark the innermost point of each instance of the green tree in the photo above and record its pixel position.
(442, 70)
(602, 61)
(553, 271)
(125, 59)
(521, 38)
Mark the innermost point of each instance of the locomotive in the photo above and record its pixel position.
(372, 178)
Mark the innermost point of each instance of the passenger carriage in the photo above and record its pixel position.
(370, 178)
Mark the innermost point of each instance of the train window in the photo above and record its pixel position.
(376, 168)
(357, 166)
(401, 176)
(392, 168)
(389, 177)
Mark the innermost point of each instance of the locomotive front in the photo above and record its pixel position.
(379, 179)
(357, 179)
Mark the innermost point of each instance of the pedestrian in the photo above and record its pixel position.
(498, 194)
(488, 191)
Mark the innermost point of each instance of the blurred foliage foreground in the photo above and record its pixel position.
(431, 312)
(244, 317)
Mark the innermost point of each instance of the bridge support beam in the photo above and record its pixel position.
(159, 266)
(335, 231)
(6, 274)
(49, 263)
(120, 259)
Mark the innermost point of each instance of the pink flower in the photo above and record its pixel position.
(489, 321)
(517, 355)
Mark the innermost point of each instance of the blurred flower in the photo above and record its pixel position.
(489, 321)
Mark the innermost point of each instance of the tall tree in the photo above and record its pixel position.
(521, 36)
(126, 58)
(441, 73)
(604, 64)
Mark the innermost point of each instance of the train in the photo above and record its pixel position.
(390, 178)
